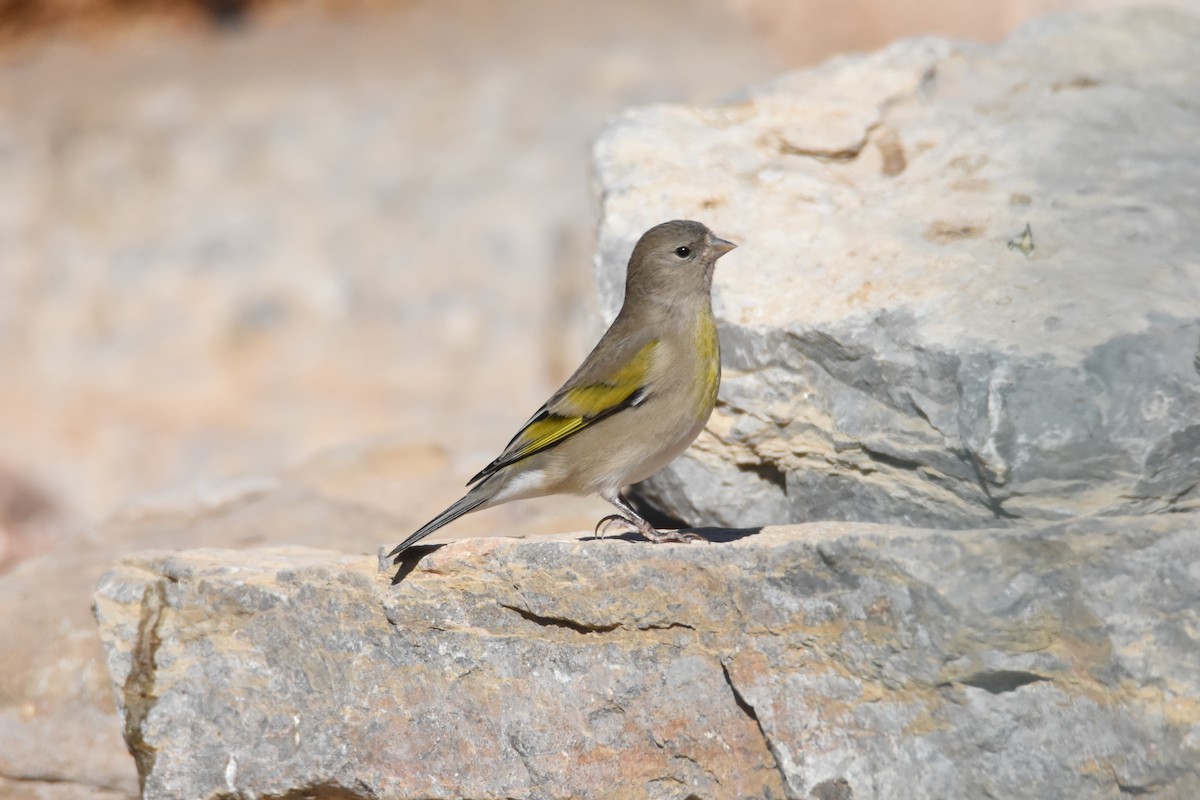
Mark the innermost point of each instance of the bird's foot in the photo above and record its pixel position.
(648, 531)
(612, 519)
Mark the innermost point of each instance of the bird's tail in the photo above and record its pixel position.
(472, 500)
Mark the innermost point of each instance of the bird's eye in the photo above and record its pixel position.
(683, 252)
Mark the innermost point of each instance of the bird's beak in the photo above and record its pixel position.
(720, 245)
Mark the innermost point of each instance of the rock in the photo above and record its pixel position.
(60, 735)
(831, 660)
(894, 350)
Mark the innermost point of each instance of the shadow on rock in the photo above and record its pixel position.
(408, 560)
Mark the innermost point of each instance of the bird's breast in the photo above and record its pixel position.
(682, 384)
(708, 349)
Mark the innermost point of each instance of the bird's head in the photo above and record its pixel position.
(674, 262)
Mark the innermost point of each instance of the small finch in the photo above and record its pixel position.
(638, 400)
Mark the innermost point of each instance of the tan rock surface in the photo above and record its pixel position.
(794, 662)
(59, 732)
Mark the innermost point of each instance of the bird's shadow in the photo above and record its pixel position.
(407, 561)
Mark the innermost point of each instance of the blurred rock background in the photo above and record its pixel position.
(226, 251)
(350, 239)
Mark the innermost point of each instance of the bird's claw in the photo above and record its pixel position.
(603, 525)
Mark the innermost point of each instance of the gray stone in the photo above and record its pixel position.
(893, 350)
(830, 660)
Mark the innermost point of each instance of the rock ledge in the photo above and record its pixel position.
(835, 660)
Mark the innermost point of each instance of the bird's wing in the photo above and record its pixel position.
(596, 391)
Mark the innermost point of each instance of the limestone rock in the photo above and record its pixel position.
(60, 735)
(893, 349)
(818, 661)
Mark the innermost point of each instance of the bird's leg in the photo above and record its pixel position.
(633, 519)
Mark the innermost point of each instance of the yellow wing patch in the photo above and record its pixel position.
(576, 408)
(541, 433)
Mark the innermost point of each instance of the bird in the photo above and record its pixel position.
(638, 400)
